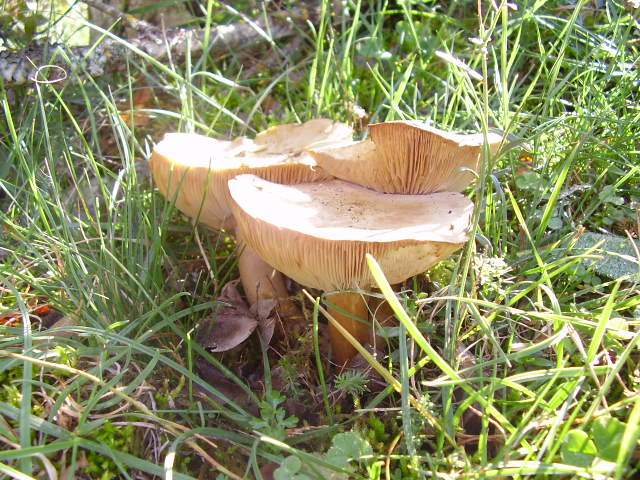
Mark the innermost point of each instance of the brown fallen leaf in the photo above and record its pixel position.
(267, 327)
(45, 312)
(52, 318)
(264, 312)
(68, 472)
(234, 322)
(142, 97)
(231, 295)
(66, 321)
(231, 325)
(263, 308)
(227, 330)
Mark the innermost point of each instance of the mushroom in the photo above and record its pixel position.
(318, 234)
(192, 171)
(406, 157)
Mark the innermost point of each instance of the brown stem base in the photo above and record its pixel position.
(347, 309)
(262, 282)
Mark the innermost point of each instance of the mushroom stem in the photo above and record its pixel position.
(261, 281)
(350, 310)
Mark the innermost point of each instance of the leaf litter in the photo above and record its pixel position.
(235, 321)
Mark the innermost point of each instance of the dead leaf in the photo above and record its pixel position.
(50, 317)
(226, 330)
(65, 321)
(141, 99)
(263, 310)
(267, 327)
(81, 463)
(64, 420)
(10, 320)
(231, 325)
(231, 295)
(271, 105)
(45, 312)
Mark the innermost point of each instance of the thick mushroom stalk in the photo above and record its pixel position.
(319, 234)
(261, 281)
(351, 311)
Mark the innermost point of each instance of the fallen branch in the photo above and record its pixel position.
(29, 65)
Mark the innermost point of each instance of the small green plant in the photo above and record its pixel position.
(10, 394)
(22, 20)
(9, 391)
(348, 452)
(273, 420)
(115, 437)
(440, 275)
(290, 469)
(377, 434)
(67, 356)
(352, 382)
(598, 446)
(490, 274)
(349, 449)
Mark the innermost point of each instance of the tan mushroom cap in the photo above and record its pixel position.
(193, 170)
(318, 233)
(407, 157)
(293, 138)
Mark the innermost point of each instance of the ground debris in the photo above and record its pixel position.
(235, 321)
(231, 390)
(231, 325)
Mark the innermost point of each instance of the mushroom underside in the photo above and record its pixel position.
(319, 235)
(407, 157)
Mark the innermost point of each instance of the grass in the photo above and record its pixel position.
(514, 358)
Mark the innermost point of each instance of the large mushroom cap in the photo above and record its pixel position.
(318, 233)
(193, 170)
(407, 157)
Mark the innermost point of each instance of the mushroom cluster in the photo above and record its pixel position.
(192, 171)
(308, 201)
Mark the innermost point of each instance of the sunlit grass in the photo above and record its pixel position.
(504, 357)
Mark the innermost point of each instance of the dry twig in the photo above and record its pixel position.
(25, 66)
